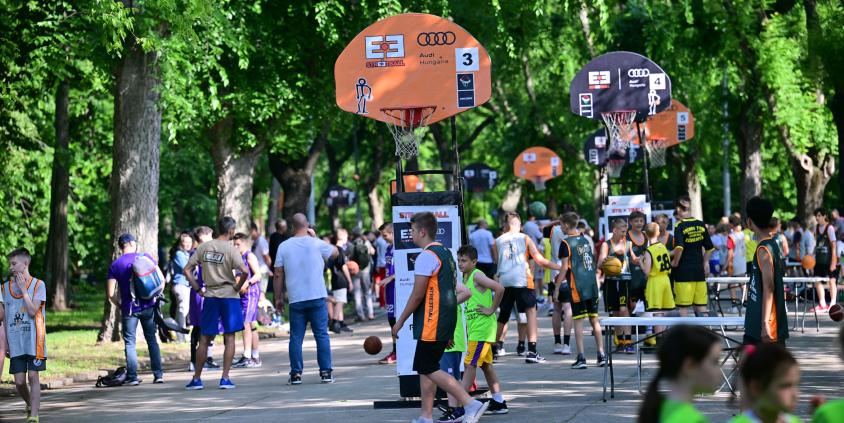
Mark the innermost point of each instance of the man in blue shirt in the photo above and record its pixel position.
(120, 274)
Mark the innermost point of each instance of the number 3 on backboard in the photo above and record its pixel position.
(466, 59)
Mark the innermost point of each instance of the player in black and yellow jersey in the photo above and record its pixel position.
(617, 288)
(691, 254)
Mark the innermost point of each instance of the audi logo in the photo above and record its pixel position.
(436, 38)
(638, 73)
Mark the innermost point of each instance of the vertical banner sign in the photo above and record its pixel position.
(620, 206)
(406, 252)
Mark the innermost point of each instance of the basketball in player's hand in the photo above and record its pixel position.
(808, 262)
(353, 268)
(372, 345)
(612, 267)
(836, 312)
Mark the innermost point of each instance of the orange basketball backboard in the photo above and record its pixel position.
(412, 59)
(411, 184)
(675, 123)
(538, 164)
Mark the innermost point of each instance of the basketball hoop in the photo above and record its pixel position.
(408, 124)
(619, 125)
(615, 166)
(656, 151)
(538, 183)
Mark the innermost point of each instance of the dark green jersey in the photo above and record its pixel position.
(823, 245)
(691, 236)
(638, 278)
(776, 321)
(436, 316)
(581, 273)
(621, 251)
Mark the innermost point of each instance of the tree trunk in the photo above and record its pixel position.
(597, 204)
(294, 174)
(837, 108)
(749, 139)
(686, 164)
(57, 260)
(510, 202)
(444, 148)
(135, 163)
(235, 171)
(272, 213)
(370, 185)
(334, 164)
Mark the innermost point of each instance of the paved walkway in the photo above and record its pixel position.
(549, 392)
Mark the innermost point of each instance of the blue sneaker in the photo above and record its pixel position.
(194, 384)
(226, 384)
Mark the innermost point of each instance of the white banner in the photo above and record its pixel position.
(621, 206)
(448, 234)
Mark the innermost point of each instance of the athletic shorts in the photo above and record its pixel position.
(616, 294)
(478, 353)
(426, 360)
(450, 363)
(658, 296)
(523, 298)
(637, 294)
(380, 273)
(249, 303)
(226, 309)
(391, 321)
(714, 267)
(690, 293)
(265, 281)
(340, 295)
(822, 271)
(584, 308)
(24, 363)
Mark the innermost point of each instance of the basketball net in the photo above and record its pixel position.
(538, 183)
(408, 125)
(615, 167)
(620, 126)
(656, 151)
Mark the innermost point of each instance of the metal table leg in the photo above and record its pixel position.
(609, 363)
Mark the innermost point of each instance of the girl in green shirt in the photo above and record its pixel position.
(830, 412)
(770, 377)
(689, 363)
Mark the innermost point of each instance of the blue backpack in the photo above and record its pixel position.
(147, 283)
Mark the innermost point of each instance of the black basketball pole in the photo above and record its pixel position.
(644, 161)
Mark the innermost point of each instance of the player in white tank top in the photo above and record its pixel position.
(513, 271)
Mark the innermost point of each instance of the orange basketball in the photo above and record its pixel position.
(836, 312)
(372, 345)
(353, 268)
(808, 262)
(612, 267)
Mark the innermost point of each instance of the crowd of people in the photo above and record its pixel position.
(218, 281)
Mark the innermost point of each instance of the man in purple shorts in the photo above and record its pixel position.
(250, 294)
(203, 233)
(390, 290)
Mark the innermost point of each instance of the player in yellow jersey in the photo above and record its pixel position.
(657, 265)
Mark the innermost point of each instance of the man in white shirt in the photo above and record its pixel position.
(261, 249)
(483, 241)
(305, 256)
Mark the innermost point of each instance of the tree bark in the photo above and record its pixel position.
(272, 212)
(370, 185)
(235, 171)
(443, 143)
(837, 107)
(294, 175)
(686, 164)
(135, 163)
(749, 139)
(510, 202)
(57, 260)
(334, 164)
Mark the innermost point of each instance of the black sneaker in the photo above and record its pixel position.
(326, 377)
(580, 363)
(344, 328)
(450, 415)
(534, 357)
(132, 382)
(496, 407)
(242, 362)
(602, 360)
(495, 357)
(295, 379)
(335, 327)
(520, 350)
(211, 365)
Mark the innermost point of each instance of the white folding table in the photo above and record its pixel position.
(609, 322)
(743, 281)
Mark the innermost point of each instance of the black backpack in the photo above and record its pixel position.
(360, 253)
(115, 379)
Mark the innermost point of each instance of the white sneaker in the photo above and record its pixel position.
(566, 350)
(558, 348)
(551, 311)
(734, 310)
